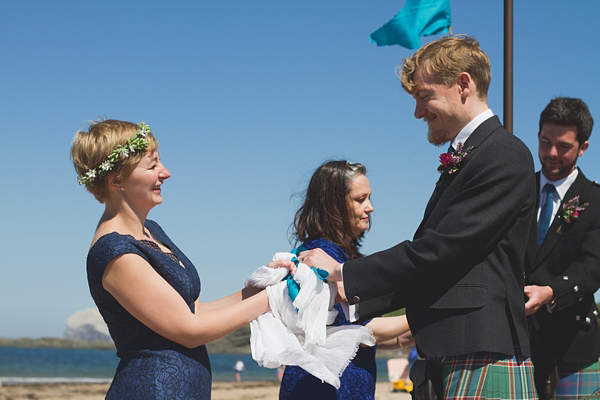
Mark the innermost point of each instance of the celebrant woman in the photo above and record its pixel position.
(144, 286)
(334, 217)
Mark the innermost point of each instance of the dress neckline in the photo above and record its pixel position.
(147, 243)
(153, 245)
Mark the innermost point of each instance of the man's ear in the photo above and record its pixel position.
(583, 148)
(465, 84)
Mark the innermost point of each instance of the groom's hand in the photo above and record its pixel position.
(319, 259)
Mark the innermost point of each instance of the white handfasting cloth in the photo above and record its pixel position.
(296, 333)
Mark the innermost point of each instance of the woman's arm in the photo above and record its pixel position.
(154, 302)
(399, 342)
(391, 332)
(243, 294)
(234, 298)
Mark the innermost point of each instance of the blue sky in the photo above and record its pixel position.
(246, 99)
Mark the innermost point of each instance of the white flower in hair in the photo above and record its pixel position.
(124, 152)
(90, 175)
(106, 166)
(143, 129)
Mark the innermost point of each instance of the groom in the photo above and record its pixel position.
(461, 277)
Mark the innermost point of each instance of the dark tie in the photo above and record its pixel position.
(450, 148)
(546, 213)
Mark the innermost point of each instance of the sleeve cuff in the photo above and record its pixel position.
(351, 311)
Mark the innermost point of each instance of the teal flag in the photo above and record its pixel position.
(417, 18)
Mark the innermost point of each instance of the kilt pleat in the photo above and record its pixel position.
(483, 375)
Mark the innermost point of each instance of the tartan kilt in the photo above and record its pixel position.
(577, 381)
(487, 376)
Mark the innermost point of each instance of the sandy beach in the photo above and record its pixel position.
(220, 391)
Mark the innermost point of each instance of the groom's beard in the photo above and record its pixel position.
(438, 137)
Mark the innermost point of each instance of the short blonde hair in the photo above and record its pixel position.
(446, 59)
(89, 149)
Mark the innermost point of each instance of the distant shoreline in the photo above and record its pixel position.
(237, 342)
(234, 343)
(56, 343)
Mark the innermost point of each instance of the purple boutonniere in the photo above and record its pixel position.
(571, 210)
(450, 162)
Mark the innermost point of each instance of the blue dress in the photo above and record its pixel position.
(151, 366)
(358, 380)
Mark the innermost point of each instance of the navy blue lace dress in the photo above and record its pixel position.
(358, 379)
(151, 366)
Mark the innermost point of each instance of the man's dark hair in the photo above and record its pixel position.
(569, 111)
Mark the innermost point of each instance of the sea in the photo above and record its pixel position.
(49, 365)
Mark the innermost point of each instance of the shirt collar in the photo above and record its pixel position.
(465, 132)
(561, 185)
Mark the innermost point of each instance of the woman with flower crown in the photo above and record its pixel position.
(334, 217)
(144, 286)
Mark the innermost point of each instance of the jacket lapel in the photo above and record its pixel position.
(554, 233)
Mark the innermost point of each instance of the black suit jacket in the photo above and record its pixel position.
(461, 278)
(569, 262)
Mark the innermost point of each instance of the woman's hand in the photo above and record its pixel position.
(290, 265)
(319, 259)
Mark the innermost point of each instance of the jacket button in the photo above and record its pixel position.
(356, 299)
(595, 313)
(588, 320)
(566, 278)
(576, 289)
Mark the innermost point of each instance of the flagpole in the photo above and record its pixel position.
(508, 65)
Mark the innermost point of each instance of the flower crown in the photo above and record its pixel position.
(136, 143)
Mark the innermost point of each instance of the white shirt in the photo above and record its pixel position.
(239, 366)
(561, 186)
(465, 132)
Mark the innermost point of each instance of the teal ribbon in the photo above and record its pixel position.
(292, 285)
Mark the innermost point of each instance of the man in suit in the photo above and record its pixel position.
(461, 278)
(565, 258)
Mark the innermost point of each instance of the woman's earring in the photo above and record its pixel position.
(122, 190)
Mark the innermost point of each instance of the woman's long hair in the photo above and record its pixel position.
(324, 212)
